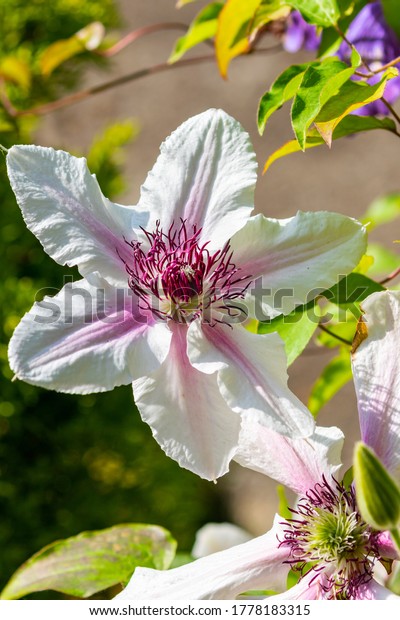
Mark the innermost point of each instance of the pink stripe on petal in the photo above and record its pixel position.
(252, 375)
(376, 369)
(189, 418)
(80, 342)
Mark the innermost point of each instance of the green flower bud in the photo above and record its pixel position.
(378, 496)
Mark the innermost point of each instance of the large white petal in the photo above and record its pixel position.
(297, 258)
(86, 339)
(257, 564)
(297, 463)
(205, 174)
(63, 206)
(252, 375)
(373, 591)
(188, 416)
(376, 369)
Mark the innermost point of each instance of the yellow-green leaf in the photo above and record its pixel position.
(334, 376)
(234, 26)
(283, 89)
(16, 70)
(319, 84)
(89, 38)
(351, 96)
(348, 126)
(203, 27)
(93, 561)
(383, 210)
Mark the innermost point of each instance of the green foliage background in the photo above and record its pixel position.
(71, 463)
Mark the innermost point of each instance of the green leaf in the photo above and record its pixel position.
(348, 478)
(352, 289)
(393, 582)
(268, 11)
(378, 496)
(331, 39)
(203, 27)
(391, 12)
(283, 89)
(93, 561)
(351, 96)
(385, 261)
(383, 210)
(89, 38)
(344, 327)
(296, 329)
(319, 12)
(234, 25)
(348, 126)
(334, 376)
(283, 509)
(318, 85)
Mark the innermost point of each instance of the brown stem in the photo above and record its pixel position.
(84, 94)
(141, 32)
(391, 276)
(328, 331)
(396, 61)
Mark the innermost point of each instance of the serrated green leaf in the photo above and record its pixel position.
(383, 210)
(334, 376)
(318, 85)
(348, 126)
(296, 329)
(319, 12)
(283, 89)
(234, 26)
(351, 96)
(203, 27)
(89, 38)
(93, 561)
(391, 13)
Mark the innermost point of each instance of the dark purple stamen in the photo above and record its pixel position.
(178, 278)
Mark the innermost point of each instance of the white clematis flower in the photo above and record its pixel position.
(335, 553)
(167, 285)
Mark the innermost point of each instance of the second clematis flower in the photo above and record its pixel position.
(333, 552)
(167, 286)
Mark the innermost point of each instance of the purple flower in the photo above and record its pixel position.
(300, 35)
(378, 45)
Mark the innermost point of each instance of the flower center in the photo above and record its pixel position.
(327, 534)
(178, 278)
